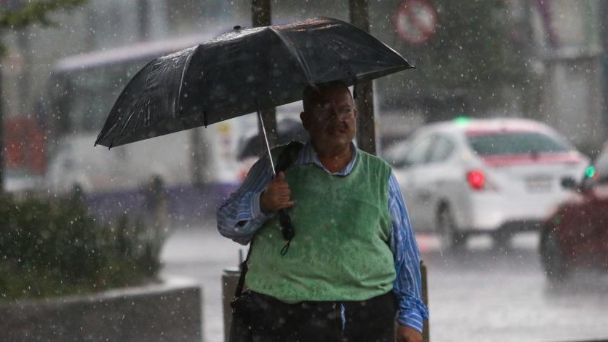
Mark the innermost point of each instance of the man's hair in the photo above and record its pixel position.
(310, 95)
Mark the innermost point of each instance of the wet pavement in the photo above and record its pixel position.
(478, 295)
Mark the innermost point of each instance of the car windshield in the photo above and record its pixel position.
(499, 143)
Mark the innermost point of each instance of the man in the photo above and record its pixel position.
(353, 265)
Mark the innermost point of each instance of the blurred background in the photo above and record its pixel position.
(543, 60)
(535, 59)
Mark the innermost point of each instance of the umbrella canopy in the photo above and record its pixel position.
(241, 72)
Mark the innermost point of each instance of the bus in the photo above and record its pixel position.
(198, 167)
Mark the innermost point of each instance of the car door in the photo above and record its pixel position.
(599, 212)
(414, 185)
(436, 178)
(588, 224)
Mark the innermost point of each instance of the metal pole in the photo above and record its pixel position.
(260, 13)
(2, 155)
(266, 142)
(143, 20)
(261, 16)
(532, 101)
(364, 92)
(425, 298)
(604, 44)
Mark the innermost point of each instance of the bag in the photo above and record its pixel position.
(240, 326)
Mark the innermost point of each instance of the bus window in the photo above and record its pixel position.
(94, 91)
(81, 93)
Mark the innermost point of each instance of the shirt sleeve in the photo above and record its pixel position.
(240, 216)
(408, 285)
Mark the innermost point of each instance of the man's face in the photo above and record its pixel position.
(331, 121)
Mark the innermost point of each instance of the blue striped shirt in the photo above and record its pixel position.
(240, 217)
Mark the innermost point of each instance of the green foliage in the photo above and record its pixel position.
(477, 50)
(32, 12)
(472, 48)
(54, 247)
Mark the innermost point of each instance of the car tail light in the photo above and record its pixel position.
(476, 179)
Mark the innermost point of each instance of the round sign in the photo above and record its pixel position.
(415, 21)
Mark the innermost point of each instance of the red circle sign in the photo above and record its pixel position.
(415, 21)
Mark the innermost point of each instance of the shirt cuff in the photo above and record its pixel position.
(257, 214)
(413, 315)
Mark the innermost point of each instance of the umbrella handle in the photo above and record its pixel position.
(287, 229)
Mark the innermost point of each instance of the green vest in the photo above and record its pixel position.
(341, 248)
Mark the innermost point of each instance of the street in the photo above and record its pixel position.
(119, 116)
(477, 295)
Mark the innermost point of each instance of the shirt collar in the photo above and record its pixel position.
(308, 155)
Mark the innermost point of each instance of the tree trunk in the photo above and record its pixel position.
(364, 93)
(1, 135)
(261, 15)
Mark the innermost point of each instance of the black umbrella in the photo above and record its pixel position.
(241, 72)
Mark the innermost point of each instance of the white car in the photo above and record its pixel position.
(471, 176)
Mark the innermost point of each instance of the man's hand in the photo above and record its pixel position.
(407, 334)
(276, 195)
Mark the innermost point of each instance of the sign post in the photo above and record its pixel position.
(415, 21)
(363, 92)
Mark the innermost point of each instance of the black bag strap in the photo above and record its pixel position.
(286, 158)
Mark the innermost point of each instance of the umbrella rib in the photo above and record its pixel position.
(133, 119)
(266, 141)
(295, 52)
(181, 80)
(345, 67)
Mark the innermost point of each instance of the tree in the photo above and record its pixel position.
(17, 15)
(476, 52)
(472, 47)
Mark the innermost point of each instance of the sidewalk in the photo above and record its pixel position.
(201, 254)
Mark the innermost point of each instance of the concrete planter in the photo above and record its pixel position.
(169, 311)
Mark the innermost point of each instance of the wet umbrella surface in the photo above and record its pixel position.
(241, 72)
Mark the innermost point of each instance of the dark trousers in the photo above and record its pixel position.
(269, 320)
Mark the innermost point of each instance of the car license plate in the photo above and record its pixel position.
(538, 183)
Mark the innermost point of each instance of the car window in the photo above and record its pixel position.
(441, 149)
(513, 142)
(395, 153)
(419, 151)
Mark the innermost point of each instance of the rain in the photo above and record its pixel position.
(121, 136)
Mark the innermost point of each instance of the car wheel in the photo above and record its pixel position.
(554, 263)
(451, 239)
